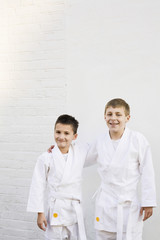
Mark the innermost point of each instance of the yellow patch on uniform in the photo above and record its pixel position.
(97, 219)
(55, 215)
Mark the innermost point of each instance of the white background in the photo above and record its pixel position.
(113, 51)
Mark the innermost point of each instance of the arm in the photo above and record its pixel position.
(148, 191)
(38, 185)
(92, 155)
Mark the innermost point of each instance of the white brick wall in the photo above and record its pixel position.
(32, 95)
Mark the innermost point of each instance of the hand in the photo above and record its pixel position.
(148, 211)
(41, 221)
(50, 149)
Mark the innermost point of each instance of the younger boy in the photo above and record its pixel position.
(55, 192)
(124, 158)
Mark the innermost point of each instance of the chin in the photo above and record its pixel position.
(114, 130)
(61, 146)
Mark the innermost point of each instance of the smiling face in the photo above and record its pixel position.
(116, 120)
(64, 135)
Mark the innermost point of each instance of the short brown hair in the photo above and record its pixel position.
(68, 120)
(118, 102)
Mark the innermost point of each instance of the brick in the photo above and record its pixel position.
(37, 76)
(33, 94)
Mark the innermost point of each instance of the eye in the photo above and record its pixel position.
(58, 132)
(109, 114)
(66, 133)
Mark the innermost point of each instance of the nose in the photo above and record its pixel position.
(61, 136)
(113, 117)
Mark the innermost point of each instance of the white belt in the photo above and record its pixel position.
(81, 227)
(120, 221)
(120, 207)
(78, 209)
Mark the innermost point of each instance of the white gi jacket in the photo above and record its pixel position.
(120, 170)
(62, 179)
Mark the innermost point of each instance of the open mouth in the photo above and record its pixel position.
(113, 124)
(61, 141)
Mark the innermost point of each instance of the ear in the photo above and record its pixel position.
(128, 117)
(75, 136)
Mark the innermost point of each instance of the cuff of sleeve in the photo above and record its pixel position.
(30, 209)
(148, 204)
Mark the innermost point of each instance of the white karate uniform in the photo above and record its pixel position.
(101, 235)
(121, 169)
(63, 233)
(56, 191)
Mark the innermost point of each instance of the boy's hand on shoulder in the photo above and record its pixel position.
(148, 211)
(41, 221)
(50, 149)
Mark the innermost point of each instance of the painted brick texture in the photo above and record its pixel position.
(32, 95)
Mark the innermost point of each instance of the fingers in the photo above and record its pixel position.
(41, 226)
(148, 214)
(141, 211)
(50, 149)
(41, 221)
(45, 223)
(148, 211)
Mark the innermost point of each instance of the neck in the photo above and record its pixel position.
(116, 135)
(64, 150)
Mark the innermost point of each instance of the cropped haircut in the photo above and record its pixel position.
(68, 120)
(118, 102)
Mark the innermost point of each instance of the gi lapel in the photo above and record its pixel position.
(119, 157)
(106, 151)
(58, 162)
(68, 166)
(111, 156)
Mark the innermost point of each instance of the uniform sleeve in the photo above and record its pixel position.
(148, 190)
(38, 186)
(92, 155)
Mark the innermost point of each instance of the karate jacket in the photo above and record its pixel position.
(117, 202)
(56, 187)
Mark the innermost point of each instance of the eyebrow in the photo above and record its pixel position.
(61, 131)
(115, 112)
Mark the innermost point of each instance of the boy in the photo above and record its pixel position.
(124, 157)
(55, 192)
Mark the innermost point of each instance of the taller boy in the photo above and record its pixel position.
(124, 157)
